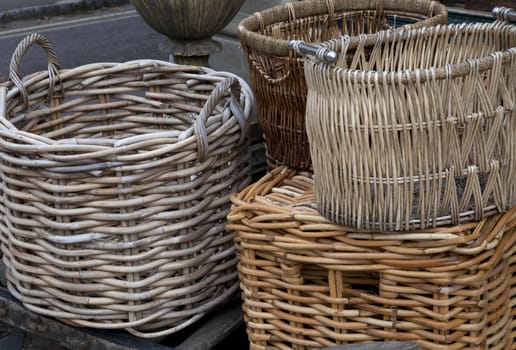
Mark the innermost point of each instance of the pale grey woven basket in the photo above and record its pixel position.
(116, 180)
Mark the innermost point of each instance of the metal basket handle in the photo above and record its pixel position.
(504, 14)
(19, 52)
(323, 54)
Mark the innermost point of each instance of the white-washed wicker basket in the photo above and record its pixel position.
(116, 180)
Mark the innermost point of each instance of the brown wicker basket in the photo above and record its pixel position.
(276, 73)
(420, 131)
(309, 283)
(116, 180)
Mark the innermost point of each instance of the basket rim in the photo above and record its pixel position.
(42, 77)
(260, 197)
(248, 27)
(422, 75)
(28, 142)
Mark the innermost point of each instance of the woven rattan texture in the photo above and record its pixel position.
(116, 181)
(276, 74)
(420, 131)
(308, 283)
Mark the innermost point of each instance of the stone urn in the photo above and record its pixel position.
(189, 25)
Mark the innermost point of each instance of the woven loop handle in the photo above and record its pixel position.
(291, 10)
(21, 49)
(232, 85)
(257, 65)
(266, 75)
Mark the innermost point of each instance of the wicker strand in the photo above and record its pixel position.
(216, 95)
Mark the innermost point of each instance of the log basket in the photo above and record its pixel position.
(276, 73)
(116, 180)
(417, 132)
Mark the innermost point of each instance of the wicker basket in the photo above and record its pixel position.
(419, 132)
(116, 181)
(276, 73)
(308, 283)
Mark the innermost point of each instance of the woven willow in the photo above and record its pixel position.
(419, 132)
(276, 73)
(308, 283)
(116, 180)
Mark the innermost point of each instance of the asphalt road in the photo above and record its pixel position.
(116, 34)
(6, 5)
(105, 36)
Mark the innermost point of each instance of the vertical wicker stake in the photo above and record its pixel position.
(189, 26)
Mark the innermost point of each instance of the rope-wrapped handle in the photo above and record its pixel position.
(275, 33)
(19, 52)
(504, 14)
(323, 54)
(278, 34)
(232, 85)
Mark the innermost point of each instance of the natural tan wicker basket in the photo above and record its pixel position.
(309, 283)
(116, 180)
(276, 73)
(418, 132)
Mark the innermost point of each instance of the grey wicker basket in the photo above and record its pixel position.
(116, 180)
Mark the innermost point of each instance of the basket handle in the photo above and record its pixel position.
(262, 70)
(229, 84)
(291, 10)
(266, 75)
(504, 14)
(14, 68)
(322, 53)
(254, 61)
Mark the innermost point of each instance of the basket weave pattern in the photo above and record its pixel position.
(308, 283)
(417, 132)
(276, 73)
(116, 181)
